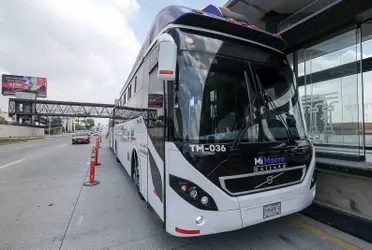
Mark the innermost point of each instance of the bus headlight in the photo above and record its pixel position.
(192, 193)
(204, 200)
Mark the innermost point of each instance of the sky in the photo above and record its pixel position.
(86, 48)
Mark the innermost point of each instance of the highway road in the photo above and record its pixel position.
(43, 205)
(39, 186)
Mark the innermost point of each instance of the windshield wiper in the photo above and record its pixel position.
(268, 100)
(242, 130)
(237, 139)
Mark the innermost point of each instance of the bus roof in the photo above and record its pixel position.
(214, 18)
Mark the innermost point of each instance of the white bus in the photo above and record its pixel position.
(214, 137)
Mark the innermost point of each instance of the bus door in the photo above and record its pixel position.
(155, 143)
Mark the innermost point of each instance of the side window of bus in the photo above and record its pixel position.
(156, 112)
(154, 57)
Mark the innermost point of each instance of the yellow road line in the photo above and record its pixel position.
(331, 238)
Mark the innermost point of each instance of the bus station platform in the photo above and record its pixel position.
(44, 205)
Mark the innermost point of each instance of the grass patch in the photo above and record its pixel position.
(17, 140)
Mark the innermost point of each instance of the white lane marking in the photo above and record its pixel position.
(32, 157)
(12, 163)
(45, 152)
(80, 220)
(26, 146)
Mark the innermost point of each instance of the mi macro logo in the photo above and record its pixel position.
(265, 164)
(268, 160)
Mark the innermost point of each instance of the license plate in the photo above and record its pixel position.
(272, 209)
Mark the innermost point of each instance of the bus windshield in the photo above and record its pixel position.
(219, 92)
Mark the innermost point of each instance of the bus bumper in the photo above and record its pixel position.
(184, 220)
(254, 215)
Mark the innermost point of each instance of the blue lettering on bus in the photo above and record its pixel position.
(269, 160)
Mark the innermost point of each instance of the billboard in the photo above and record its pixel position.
(11, 84)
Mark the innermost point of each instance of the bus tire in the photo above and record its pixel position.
(116, 152)
(136, 174)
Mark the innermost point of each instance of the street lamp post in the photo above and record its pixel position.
(50, 123)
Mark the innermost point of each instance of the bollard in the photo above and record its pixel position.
(92, 169)
(96, 156)
(97, 142)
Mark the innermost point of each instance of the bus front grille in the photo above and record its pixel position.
(262, 181)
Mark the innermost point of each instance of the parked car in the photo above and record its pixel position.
(81, 138)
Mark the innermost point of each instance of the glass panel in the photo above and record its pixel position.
(130, 91)
(367, 39)
(155, 104)
(367, 82)
(210, 102)
(331, 53)
(290, 59)
(360, 93)
(300, 63)
(332, 108)
(217, 96)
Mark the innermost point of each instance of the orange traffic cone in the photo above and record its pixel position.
(92, 169)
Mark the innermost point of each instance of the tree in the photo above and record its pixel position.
(89, 123)
(3, 120)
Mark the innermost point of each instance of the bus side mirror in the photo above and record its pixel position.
(167, 58)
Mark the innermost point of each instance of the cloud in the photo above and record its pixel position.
(85, 48)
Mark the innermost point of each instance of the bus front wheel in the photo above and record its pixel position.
(116, 152)
(136, 175)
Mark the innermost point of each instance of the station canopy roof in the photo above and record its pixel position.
(283, 14)
(257, 10)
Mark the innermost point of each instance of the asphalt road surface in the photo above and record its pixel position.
(43, 205)
(39, 184)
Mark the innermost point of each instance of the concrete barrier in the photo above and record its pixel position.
(7, 131)
(348, 193)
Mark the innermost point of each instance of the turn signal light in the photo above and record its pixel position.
(198, 11)
(166, 72)
(255, 27)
